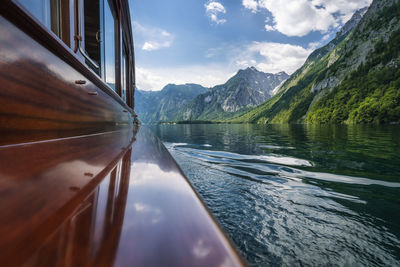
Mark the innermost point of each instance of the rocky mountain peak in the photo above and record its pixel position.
(282, 73)
(350, 24)
(254, 71)
(340, 35)
(247, 70)
(339, 82)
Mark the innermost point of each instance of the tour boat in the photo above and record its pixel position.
(81, 182)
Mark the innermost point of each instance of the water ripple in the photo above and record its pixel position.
(298, 195)
(239, 160)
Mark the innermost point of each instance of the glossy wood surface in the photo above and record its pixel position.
(78, 185)
(43, 97)
(111, 199)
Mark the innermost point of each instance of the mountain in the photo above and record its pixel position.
(246, 89)
(353, 79)
(155, 106)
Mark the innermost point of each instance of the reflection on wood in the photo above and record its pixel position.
(90, 235)
(43, 184)
(77, 188)
(105, 199)
(39, 97)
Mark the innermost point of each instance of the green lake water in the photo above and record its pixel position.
(297, 195)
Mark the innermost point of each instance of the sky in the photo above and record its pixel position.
(208, 41)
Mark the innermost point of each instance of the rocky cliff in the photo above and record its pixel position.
(353, 79)
(246, 89)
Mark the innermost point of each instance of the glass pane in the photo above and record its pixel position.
(109, 45)
(46, 11)
(123, 74)
(55, 11)
(92, 30)
(39, 8)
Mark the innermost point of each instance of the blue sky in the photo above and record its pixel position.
(207, 41)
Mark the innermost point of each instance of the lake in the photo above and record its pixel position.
(295, 195)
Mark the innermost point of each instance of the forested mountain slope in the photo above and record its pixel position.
(353, 79)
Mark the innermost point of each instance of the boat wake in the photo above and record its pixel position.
(283, 210)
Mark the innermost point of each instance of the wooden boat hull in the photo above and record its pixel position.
(80, 183)
(109, 199)
(40, 97)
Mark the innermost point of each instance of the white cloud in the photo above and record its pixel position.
(154, 79)
(250, 4)
(272, 57)
(152, 38)
(152, 45)
(300, 17)
(345, 8)
(265, 56)
(148, 80)
(213, 9)
(269, 28)
(280, 57)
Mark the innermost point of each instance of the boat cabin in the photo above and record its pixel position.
(75, 58)
(98, 34)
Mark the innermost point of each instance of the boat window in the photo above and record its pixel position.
(46, 11)
(109, 45)
(91, 27)
(124, 69)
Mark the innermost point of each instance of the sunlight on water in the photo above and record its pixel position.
(230, 158)
(298, 195)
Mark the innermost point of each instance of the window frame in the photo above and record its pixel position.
(22, 18)
(80, 13)
(59, 18)
(69, 42)
(124, 72)
(115, 16)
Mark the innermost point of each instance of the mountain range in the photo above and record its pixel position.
(156, 106)
(353, 79)
(247, 89)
